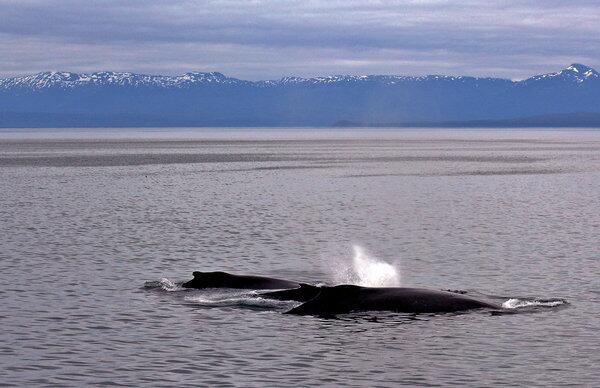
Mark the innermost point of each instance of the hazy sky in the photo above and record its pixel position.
(269, 39)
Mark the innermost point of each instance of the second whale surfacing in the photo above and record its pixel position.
(220, 279)
(286, 289)
(344, 299)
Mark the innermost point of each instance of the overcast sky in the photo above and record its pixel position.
(269, 39)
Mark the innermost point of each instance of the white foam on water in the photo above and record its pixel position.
(516, 303)
(235, 300)
(367, 271)
(168, 285)
(163, 284)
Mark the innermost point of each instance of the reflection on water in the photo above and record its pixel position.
(89, 217)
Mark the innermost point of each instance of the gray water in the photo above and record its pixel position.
(98, 228)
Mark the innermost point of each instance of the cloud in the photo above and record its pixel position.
(268, 39)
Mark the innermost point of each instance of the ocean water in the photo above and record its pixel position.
(98, 228)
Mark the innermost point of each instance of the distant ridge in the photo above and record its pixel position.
(67, 80)
(114, 99)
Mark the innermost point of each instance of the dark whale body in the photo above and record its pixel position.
(330, 301)
(226, 280)
(348, 298)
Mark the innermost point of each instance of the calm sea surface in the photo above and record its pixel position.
(98, 228)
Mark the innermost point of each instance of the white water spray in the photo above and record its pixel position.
(515, 303)
(368, 271)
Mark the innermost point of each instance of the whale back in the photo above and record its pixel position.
(226, 280)
(304, 293)
(348, 298)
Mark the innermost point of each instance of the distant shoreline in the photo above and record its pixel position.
(566, 120)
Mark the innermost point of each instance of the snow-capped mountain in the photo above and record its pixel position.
(211, 98)
(68, 80)
(576, 73)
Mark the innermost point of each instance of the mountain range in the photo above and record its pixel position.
(569, 97)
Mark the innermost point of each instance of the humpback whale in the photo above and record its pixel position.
(349, 298)
(341, 299)
(226, 280)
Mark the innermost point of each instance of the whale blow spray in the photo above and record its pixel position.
(368, 271)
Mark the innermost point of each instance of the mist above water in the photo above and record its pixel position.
(367, 271)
